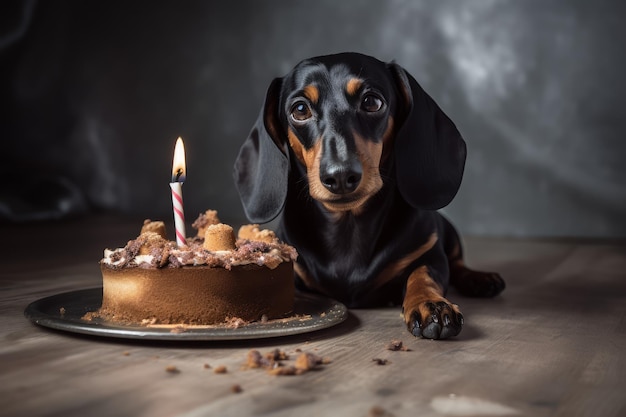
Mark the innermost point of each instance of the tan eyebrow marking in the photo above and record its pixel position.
(312, 93)
(353, 86)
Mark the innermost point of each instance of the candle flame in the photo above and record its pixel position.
(178, 166)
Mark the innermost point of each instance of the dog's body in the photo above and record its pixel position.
(358, 158)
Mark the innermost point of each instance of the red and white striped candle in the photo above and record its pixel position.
(178, 178)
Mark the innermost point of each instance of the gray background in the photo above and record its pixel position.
(95, 93)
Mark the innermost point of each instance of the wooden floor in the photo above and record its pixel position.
(552, 345)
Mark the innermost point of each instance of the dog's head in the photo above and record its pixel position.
(341, 117)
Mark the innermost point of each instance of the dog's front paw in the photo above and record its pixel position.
(434, 320)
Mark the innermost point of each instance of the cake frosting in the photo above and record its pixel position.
(214, 278)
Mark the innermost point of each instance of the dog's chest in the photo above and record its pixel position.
(344, 256)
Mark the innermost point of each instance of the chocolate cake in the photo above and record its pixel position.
(211, 280)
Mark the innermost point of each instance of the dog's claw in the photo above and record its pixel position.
(416, 331)
(415, 325)
(432, 331)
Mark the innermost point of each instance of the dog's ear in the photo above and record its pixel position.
(262, 167)
(429, 150)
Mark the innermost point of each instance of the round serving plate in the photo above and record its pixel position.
(65, 312)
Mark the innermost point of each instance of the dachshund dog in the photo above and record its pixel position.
(357, 158)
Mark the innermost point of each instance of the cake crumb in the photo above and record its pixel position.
(172, 369)
(89, 316)
(377, 411)
(235, 322)
(268, 361)
(236, 389)
(207, 366)
(274, 362)
(150, 241)
(277, 355)
(285, 370)
(256, 360)
(204, 220)
(380, 361)
(221, 369)
(308, 361)
(178, 329)
(255, 233)
(62, 311)
(397, 345)
(126, 353)
(157, 227)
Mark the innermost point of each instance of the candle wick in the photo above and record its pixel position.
(179, 172)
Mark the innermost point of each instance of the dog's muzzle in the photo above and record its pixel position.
(340, 168)
(341, 177)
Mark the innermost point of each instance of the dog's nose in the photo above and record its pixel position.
(339, 179)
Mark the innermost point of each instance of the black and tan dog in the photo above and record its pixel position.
(357, 158)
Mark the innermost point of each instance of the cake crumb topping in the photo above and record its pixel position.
(205, 220)
(254, 232)
(151, 250)
(155, 227)
(219, 237)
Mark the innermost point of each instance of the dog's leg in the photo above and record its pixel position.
(473, 283)
(467, 281)
(427, 312)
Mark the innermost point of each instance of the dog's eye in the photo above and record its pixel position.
(300, 111)
(371, 103)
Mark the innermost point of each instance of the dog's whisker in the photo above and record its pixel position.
(304, 190)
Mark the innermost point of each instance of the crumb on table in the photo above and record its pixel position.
(274, 362)
(378, 411)
(221, 369)
(397, 345)
(172, 369)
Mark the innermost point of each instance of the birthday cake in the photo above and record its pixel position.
(215, 278)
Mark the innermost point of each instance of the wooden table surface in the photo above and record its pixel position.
(552, 345)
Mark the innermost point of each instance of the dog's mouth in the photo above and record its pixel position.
(345, 202)
(340, 203)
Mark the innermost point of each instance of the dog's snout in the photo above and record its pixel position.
(341, 178)
(340, 169)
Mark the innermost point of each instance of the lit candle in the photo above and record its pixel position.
(178, 178)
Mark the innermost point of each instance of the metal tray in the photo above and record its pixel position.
(65, 311)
